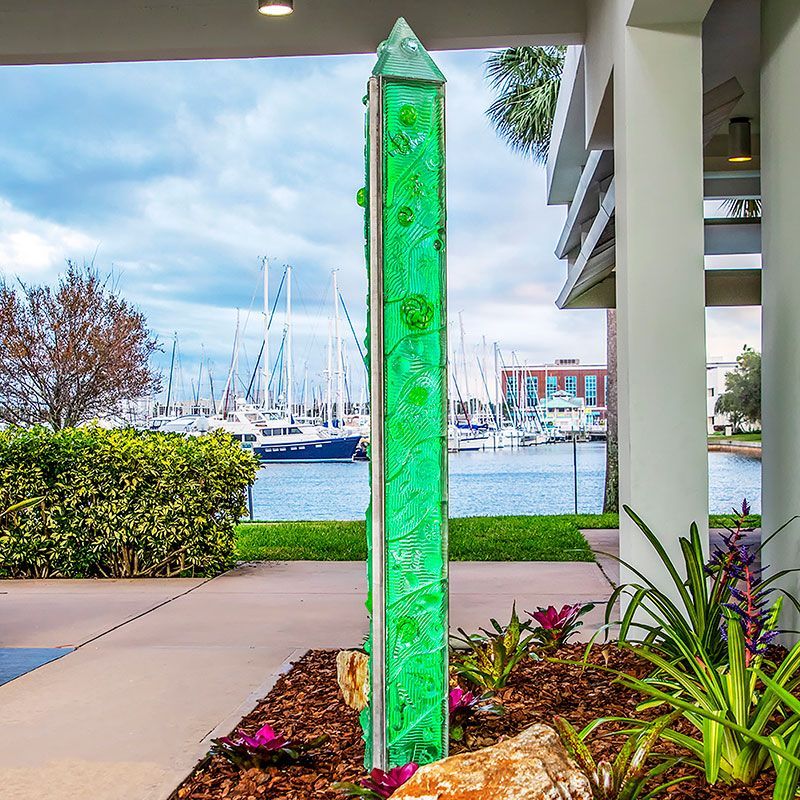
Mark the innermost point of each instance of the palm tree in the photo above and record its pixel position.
(526, 81)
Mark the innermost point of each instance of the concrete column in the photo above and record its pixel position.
(780, 365)
(660, 287)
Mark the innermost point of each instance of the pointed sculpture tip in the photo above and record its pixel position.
(403, 56)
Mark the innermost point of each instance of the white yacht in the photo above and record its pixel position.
(276, 438)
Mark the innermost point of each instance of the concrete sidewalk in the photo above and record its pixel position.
(161, 666)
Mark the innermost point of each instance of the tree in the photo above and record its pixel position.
(526, 81)
(71, 353)
(611, 492)
(741, 400)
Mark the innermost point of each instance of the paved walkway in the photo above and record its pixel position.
(161, 666)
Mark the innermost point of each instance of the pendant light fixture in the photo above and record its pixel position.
(275, 8)
(739, 140)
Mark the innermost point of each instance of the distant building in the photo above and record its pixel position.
(532, 384)
(551, 387)
(716, 371)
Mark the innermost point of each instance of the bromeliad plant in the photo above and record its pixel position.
(557, 627)
(492, 655)
(632, 770)
(742, 726)
(379, 784)
(262, 749)
(688, 619)
(464, 706)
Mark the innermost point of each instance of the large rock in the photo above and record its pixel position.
(352, 673)
(531, 766)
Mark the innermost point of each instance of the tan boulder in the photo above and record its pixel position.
(352, 673)
(532, 766)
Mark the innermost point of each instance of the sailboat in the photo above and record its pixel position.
(274, 433)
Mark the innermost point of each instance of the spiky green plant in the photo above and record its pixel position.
(492, 655)
(635, 766)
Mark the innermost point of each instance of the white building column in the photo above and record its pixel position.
(660, 287)
(780, 360)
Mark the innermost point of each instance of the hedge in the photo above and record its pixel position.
(120, 503)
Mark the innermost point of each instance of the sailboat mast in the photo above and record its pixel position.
(497, 409)
(465, 376)
(289, 364)
(338, 340)
(229, 383)
(171, 371)
(329, 377)
(265, 363)
(236, 360)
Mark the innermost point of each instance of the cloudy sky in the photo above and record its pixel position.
(179, 177)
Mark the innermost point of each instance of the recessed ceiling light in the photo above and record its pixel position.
(275, 8)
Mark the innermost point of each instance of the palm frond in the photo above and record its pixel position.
(742, 207)
(526, 81)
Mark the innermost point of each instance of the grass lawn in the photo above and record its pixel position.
(552, 538)
(736, 437)
(532, 538)
(591, 521)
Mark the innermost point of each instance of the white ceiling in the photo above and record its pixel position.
(54, 31)
(731, 48)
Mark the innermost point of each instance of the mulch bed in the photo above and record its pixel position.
(305, 703)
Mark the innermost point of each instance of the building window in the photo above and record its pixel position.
(532, 390)
(552, 386)
(571, 385)
(511, 391)
(591, 390)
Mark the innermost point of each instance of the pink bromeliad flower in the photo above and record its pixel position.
(459, 699)
(383, 784)
(264, 739)
(265, 747)
(557, 626)
(464, 706)
(549, 618)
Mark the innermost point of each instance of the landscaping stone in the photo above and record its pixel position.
(531, 766)
(352, 674)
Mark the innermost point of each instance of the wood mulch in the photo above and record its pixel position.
(305, 702)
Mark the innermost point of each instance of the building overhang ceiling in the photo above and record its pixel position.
(67, 31)
(584, 178)
(724, 288)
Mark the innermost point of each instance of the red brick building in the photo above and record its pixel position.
(531, 384)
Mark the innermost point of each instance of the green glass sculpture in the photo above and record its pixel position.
(405, 212)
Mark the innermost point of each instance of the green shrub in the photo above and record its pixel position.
(120, 503)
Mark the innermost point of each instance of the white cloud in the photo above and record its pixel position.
(35, 248)
(186, 173)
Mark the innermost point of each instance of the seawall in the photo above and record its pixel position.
(751, 449)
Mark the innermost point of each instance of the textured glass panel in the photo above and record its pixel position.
(414, 381)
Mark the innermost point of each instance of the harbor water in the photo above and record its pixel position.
(530, 480)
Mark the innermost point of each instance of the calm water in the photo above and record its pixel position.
(532, 480)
